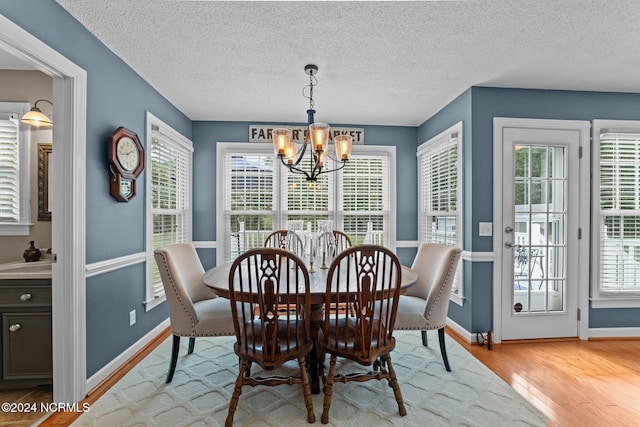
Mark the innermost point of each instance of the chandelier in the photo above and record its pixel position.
(316, 141)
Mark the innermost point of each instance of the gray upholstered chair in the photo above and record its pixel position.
(194, 310)
(425, 305)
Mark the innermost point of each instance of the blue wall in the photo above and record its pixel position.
(206, 134)
(543, 104)
(477, 107)
(116, 96)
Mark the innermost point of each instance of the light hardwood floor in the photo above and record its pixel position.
(574, 383)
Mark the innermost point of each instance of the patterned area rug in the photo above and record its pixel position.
(470, 395)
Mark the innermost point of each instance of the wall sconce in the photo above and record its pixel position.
(36, 118)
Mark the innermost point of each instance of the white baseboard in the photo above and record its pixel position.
(466, 335)
(104, 373)
(614, 332)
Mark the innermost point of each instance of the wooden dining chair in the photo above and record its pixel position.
(368, 276)
(425, 305)
(194, 310)
(274, 283)
(342, 241)
(285, 239)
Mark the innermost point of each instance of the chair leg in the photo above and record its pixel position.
(393, 382)
(425, 340)
(306, 388)
(192, 343)
(328, 390)
(233, 404)
(174, 358)
(443, 349)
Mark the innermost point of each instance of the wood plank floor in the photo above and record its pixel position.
(574, 383)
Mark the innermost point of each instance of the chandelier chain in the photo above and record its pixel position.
(312, 82)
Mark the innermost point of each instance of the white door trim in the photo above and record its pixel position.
(584, 175)
(68, 220)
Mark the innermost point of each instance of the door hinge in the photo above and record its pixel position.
(578, 315)
(580, 152)
(579, 233)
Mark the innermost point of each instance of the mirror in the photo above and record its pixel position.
(44, 193)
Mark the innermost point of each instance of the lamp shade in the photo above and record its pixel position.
(291, 151)
(343, 147)
(281, 138)
(36, 118)
(319, 133)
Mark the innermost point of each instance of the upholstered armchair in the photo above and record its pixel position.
(194, 310)
(425, 305)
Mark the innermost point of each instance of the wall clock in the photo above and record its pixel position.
(126, 162)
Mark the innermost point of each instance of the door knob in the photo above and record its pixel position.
(508, 245)
(15, 327)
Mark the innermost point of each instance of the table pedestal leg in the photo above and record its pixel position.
(316, 356)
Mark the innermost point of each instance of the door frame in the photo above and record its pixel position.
(68, 221)
(584, 127)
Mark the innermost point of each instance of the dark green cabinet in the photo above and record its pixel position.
(27, 357)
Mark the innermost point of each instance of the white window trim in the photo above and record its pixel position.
(432, 145)
(258, 148)
(23, 226)
(152, 300)
(599, 298)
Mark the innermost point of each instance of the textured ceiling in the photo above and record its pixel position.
(388, 63)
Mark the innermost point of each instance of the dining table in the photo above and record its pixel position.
(217, 279)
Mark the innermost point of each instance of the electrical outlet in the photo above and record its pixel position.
(132, 317)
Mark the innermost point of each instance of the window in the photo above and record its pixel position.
(357, 199)
(616, 195)
(440, 194)
(15, 212)
(169, 162)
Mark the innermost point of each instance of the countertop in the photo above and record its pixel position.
(26, 270)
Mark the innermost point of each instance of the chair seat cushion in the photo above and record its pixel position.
(214, 317)
(411, 314)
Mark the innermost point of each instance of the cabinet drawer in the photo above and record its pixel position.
(25, 296)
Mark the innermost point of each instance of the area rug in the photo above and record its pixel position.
(470, 395)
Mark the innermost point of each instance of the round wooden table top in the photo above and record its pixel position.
(217, 279)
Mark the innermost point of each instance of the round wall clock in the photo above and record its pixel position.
(126, 161)
(126, 154)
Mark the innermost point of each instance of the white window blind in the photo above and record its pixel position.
(440, 191)
(307, 201)
(9, 169)
(358, 198)
(248, 206)
(619, 213)
(365, 199)
(169, 186)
